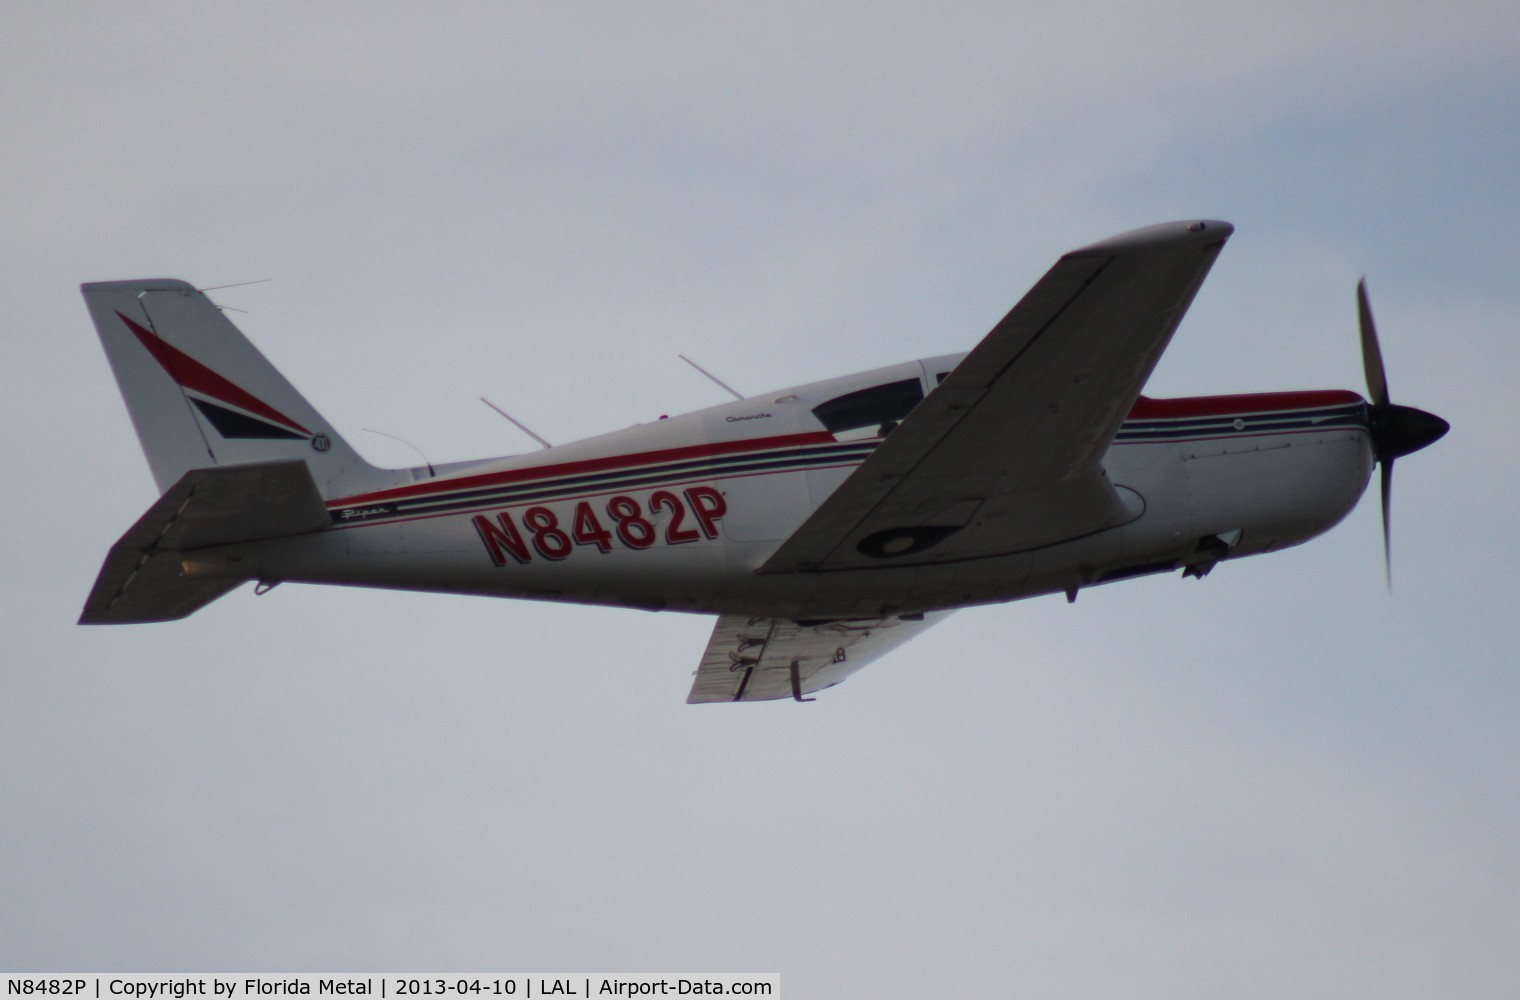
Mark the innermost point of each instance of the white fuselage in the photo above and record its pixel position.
(678, 514)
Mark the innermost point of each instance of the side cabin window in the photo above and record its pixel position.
(878, 406)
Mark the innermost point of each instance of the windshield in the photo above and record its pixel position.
(874, 407)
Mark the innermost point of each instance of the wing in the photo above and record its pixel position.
(762, 659)
(1006, 454)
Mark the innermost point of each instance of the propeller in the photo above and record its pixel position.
(1396, 430)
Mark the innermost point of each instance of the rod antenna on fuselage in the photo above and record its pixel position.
(725, 386)
(515, 422)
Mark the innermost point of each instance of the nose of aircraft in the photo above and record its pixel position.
(1402, 430)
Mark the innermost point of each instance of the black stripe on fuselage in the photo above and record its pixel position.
(1243, 424)
(816, 456)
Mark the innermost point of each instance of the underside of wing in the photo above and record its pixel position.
(763, 659)
(1006, 454)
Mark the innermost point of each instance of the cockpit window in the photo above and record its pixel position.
(879, 405)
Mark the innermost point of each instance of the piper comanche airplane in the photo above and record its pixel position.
(824, 524)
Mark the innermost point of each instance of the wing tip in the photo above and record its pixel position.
(1200, 231)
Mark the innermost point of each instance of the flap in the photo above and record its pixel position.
(763, 659)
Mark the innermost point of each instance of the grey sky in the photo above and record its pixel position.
(1280, 781)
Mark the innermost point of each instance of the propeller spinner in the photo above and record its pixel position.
(1396, 430)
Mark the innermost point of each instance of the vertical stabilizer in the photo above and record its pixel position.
(201, 395)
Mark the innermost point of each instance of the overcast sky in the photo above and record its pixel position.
(1278, 781)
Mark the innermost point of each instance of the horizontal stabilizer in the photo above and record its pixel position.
(143, 580)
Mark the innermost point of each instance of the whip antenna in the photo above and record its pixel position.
(515, 422)
(724, 385)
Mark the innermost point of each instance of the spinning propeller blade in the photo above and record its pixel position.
(1396, 430)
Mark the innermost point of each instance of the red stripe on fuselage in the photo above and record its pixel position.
(1144, 409)
(191, 374)
(587, 465)
(1244, 403)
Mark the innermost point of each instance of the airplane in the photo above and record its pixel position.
(823, 524)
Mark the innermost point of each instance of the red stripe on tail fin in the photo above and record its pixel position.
(191, 374)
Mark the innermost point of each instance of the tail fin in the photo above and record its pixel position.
(201, 395)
